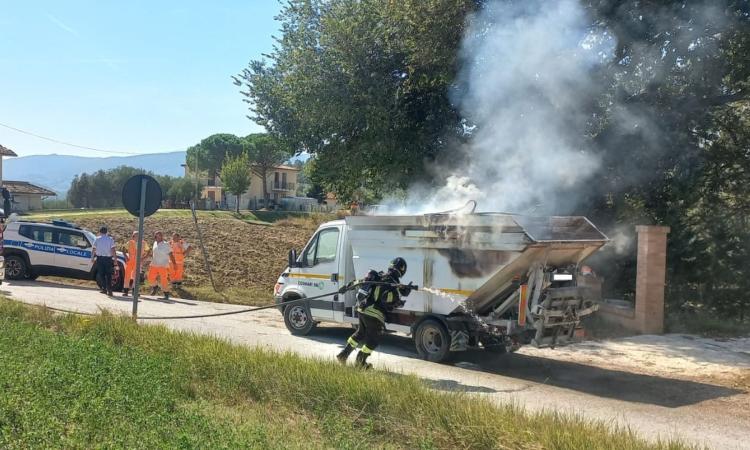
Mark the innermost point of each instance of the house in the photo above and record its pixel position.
(26, 196)
(280, 183)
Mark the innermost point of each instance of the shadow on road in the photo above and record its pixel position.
(49, 284)
(593, 380)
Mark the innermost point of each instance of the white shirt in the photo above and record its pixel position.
(103, 245)
(161, 251)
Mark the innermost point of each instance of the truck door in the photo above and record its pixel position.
(319, 272)
(73, 252)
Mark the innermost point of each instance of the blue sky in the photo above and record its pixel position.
(136, 76)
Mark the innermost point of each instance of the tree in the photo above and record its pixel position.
(363, 85)
(209, 154)
(80, 191)
(103, 188)
(265, 153)
(235, 175)
(182, 190)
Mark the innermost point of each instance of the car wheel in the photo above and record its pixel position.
(15, 268)
(432, 341)
(298, 319)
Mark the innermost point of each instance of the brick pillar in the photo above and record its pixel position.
(650, 278)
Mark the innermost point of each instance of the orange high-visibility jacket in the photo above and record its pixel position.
(178, 250)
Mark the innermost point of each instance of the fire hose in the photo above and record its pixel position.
(246, 310)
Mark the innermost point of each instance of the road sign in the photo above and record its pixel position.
(141, 196)
(131, 195)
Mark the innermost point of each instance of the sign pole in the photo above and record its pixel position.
(139, 249)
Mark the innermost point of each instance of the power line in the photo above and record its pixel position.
(56, 141)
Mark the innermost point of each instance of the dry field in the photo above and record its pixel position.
(246, 258)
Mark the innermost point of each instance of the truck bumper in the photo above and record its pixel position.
(279, 300)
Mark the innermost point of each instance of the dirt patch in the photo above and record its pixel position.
(242, 255)
(725, 362)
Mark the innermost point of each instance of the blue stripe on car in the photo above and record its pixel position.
(47, 248)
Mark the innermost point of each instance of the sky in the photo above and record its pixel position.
(134, 77)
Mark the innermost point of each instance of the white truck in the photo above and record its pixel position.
(488, 280)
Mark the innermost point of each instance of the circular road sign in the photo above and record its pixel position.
(131, 195)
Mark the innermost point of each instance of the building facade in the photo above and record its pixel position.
(281, 182)
(25, 196)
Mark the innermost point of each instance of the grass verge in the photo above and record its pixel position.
(107, 382)
(707, 325)
(284, 218)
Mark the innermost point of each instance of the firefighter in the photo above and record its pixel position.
(132, 251)
(379, 293)
(180, 249)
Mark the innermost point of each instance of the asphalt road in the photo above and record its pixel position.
(655, 407)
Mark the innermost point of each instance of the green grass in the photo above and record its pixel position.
(93, 213)
(107, 382)
(706, 324)
(254, 217)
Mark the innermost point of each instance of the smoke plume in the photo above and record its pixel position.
(525, 81)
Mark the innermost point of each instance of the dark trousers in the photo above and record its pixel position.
(369, 332)
(104, 269)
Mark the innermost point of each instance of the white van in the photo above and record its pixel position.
(492, 281)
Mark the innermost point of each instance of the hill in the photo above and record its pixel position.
(57, 171)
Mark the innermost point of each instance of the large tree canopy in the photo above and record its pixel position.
(362, 85)
(208, 155)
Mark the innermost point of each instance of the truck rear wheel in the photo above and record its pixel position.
(298, 319)
(432, 341)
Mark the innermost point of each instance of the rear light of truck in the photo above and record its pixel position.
(277, 288)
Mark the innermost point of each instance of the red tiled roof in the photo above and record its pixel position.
(24, 187)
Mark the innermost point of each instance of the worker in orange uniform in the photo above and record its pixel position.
(180, 249)
(161, 257)
(130, 264)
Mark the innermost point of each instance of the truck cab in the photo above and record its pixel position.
(323, 265)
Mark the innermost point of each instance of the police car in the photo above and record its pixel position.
(56, 248)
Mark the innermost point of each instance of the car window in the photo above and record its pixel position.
(327, 244)
(41, 234)
(73, 239)
(25, 231)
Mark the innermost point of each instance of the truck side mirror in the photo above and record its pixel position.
(292, 258)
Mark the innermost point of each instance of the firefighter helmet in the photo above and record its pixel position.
(399, 265)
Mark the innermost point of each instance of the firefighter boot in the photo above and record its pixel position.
(362, 361)
(153, 290)
(125, 292)
(344, 355)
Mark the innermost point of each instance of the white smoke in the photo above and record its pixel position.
(523, 86)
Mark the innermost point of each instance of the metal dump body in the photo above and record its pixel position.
(468, 256)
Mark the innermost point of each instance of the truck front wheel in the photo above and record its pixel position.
(298, 319)
(432, 341)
